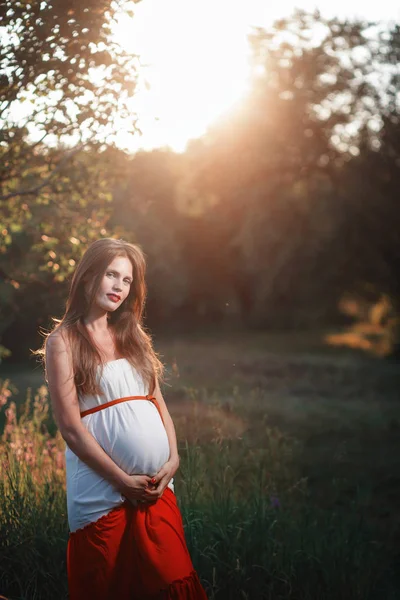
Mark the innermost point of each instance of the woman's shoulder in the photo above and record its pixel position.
(58, 356)
(58, 340)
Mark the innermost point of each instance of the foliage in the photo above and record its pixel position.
(65, 80)
(66, 88)
(276, 163)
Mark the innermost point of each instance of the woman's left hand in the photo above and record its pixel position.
(160, 481)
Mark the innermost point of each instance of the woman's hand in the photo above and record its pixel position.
(160, 481)
(134, 488)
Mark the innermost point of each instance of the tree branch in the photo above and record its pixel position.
(33, 191)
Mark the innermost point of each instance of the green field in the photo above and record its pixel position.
(289, 478)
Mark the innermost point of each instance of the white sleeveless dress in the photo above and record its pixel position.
(131, 433)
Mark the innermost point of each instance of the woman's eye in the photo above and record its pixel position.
(113, 274)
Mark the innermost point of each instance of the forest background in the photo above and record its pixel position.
(284, 215)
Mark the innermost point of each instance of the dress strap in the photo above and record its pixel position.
(95, 409)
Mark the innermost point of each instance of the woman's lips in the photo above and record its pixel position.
(114, 297)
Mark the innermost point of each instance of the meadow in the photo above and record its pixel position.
(289, 479)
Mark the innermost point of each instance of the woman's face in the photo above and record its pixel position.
(115, 285)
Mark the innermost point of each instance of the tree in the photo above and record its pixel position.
(65, 90)
(276, 162)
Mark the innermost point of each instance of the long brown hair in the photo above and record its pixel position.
(131, 340)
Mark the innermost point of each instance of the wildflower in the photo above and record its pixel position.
(275, 502)
(60, 460)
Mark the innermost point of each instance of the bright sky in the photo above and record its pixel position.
(198, 58)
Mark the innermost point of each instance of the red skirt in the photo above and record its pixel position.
(133, 554)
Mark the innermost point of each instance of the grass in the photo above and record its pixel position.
(289, 473)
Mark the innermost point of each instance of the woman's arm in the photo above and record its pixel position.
(168, 424)
(65, 404)
(168, 470)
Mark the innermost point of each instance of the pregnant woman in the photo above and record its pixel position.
(126, 533)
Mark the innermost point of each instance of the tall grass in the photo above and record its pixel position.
(252, 528)
(33, 528)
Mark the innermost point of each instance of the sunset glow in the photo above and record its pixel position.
(197, 57)
(195, 60)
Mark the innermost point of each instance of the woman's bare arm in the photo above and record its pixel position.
(65, 404)
(168, 470)
(168, 424)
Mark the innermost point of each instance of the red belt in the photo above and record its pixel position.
(118, 400)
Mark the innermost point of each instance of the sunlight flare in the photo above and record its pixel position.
(195, 66)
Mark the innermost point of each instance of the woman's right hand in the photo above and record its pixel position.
(134, 487)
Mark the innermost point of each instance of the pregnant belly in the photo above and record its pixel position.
(133, 435)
